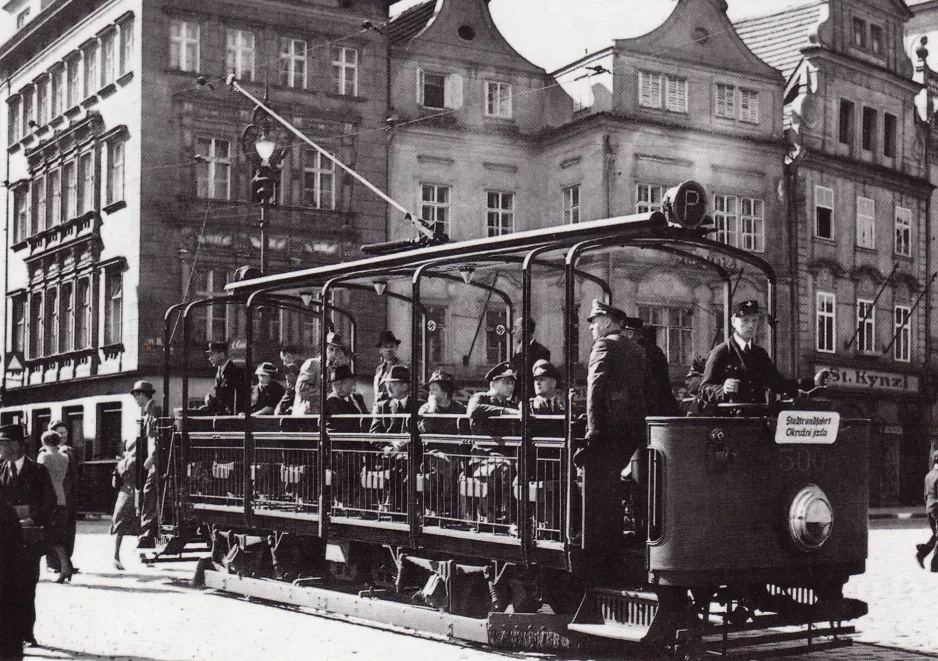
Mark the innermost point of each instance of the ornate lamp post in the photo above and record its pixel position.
(260, 145)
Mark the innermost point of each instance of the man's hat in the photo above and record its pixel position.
(342, 372)
(12, 433)
(601, 308)
(446, 380)
(501, 371)
(56, 423)
(144, 387)
(386, 337)
(214, 347)
(335, 340)
(746, 307)
(397, 373)
(545, 368)
(697, 367)
(266, 368)
(290, 348)
(634, 323)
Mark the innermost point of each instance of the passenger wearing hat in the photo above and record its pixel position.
(741, 372)
(440, 388)
(545, 400)
(25, 485)
(536, 352)
(615, 429)
(343, 400)
(497, 402)
(150, 413)
(387, 346)
(931, 511)
(267, 393)
(398, 402)
(691, 405)
(306, 399)
(228, 395)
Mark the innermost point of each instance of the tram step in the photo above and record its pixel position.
(615, 631)
(618, 614)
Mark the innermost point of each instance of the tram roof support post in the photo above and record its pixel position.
(414, 449)
(248, 419)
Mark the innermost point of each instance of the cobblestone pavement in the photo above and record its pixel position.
(151, 614)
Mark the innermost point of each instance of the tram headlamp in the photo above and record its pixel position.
(686, 204)
(810, 518)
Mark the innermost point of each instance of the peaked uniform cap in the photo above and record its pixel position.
(397, 373)
(444, 379)
(746, 307)
(386, 337)
(501, 371)
(632, 322)
(600, 308)
(545, 368)
(13, 433)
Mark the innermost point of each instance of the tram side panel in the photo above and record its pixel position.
(722, 503)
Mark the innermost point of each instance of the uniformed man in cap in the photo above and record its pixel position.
(228, 395)
(691, 404)
(497, 402)
(397, 385)
(615, 428)
(738, 371)
(26, 486)
(545, 400)
(387, 346)
(150, 413)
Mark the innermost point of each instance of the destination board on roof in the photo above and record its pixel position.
(807, 427)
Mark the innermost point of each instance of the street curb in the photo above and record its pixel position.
(896, 515)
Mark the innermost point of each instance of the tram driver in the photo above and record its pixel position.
(739, 371)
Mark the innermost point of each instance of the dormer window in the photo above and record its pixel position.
(659, 91)
(439, 90)
(868, 37)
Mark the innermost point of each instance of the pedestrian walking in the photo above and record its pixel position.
(124, 520)
(72, 485)
(931, 511)
(57, 532)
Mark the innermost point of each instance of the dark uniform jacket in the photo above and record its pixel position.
(931, 492)
(615, 401)
(264, 396)
(542, 406)
(537, 352)
(440, 425)
(659, 398)
(756, 373)
(385, 425)
(483, 406)
(230, 385)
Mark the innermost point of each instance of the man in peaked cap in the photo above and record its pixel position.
(545, 400)
(228, 395)
(691, 404)
(26, 486)
(397, 384)
(615, 428)
(739, 371)
(387, 346)
(483, 406)
(150, 413)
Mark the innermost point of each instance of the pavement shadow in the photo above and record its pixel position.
(49, 653)
(120, 588)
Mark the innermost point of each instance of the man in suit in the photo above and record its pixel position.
(397, 385)
(343, 400)
(228, 397)
(387, 346)
(27, 486)
(738, 371)
(615, 429)
(545, 400)
(309, 380)
(150, 413)
(536, 352)
(496, 403)
(267, 394)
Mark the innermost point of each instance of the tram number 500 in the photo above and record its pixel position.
(801, 459)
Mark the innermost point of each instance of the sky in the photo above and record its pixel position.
(553, 33)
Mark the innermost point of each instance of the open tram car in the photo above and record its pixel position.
(749, 541)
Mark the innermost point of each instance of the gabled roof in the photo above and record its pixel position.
(406, 25)
(778, 38)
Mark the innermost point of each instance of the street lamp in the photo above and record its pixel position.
(260, 147)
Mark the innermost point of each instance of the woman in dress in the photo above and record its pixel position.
(125, 520)
(56, 464)
(72, 486)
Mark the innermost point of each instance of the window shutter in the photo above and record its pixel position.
(419, 86)
(452, 91)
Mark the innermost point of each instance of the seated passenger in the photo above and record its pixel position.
(545, 400)
(227, 396)
(290, 356)
(343, 400)
(311, 372)
(691, 404)
(267, 393)
(738, 371)
(483, 406)
(397, 383)
(441, 387)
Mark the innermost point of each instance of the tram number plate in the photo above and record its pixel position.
(807, 427)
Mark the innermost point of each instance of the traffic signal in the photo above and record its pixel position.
(263, 185)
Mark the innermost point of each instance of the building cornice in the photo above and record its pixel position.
(856, 169)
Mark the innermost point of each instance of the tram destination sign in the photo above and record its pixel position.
(856, 378)
(807, 427)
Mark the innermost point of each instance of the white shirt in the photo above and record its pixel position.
(743, 344)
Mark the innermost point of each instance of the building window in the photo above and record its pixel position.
(869, 129)
(239, 53)
(859, 33)
(91, 69)
(20, 214)
(826, 322)
(28, 107)
(725, 101)
(726, 219)
(86, 182)
(18, 323)
(571, 205)
(42, 101)
(674, 331)
(71, 190)
(436, 334)
(675, 97)
(14, 130)
(73, 82)
(67, 317)
(748, 106)
(184, 45)
(292, 62)
(889, 135)
(752, 225)
(318, 180)
(438, 91)
(876, 39)
(823, 212)
(52, 323)
(903, 232)
(39, 205)
(83, 314)
(54, 194)
(126, 45)
(213, 171)
(36, 311)
(866, 326)
(496, 335)
(21, 18)
(108, 58)
(648, 198)
(500, 213)
(902, 347)
(866, 219)
(58, 91)
(434, 205)
(115, 171)
(113, 305)
(649, 89)
(846, 126)
(498, 99)
(345, 68)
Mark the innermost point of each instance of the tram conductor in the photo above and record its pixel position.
(739, 371)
